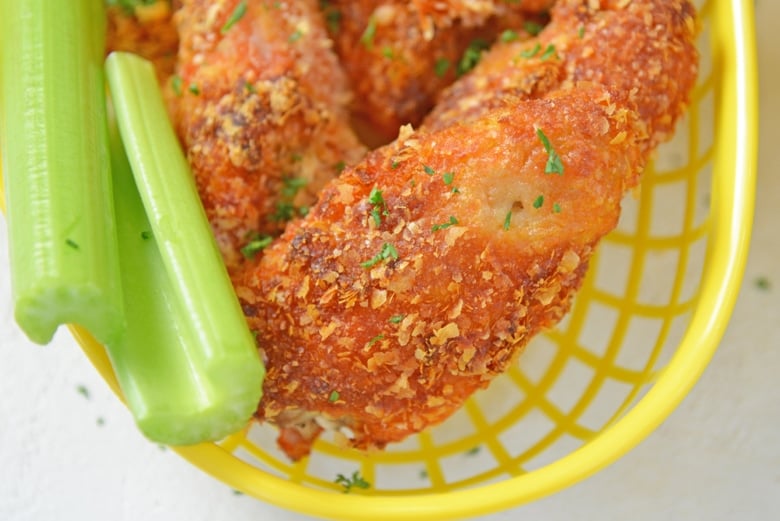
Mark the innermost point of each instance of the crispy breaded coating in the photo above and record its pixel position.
(146, 30)
(424, 269)
(399, 55)
(261, 111)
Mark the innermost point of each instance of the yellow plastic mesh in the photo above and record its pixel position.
(572, 382)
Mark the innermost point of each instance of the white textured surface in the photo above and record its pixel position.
(64, 456)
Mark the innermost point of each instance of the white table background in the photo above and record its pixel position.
(69, 449)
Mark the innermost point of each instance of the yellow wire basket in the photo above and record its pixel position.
(642, 329)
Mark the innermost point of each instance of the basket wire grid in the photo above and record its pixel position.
(642, 329)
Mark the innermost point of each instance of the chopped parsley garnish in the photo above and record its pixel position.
(73, 244)
(176, 84)
(428, 170)
(237, 14)
(387, 252)
(334, 396)
(581, 32)
(556, 208)
(292, 185)
(340, 166)
(471, 56)
(441, 67)
(387, 52)
(533, 51)
(507, 220)
(396, 319)
(375, 340)
(554, 164)
(249, 87)
(332, 16)
(295, 36)
(549, 52)
(355, 481)
(763, 283)
(452, 222)
(538, 202)
(379, 208)
(367, 38)
(193, 88)
(257, 244)
(394, 164)
(448, 177)
(508, 36)
(83, 391)
(533, 28)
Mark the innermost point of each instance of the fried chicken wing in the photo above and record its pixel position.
(399, 55)
(424, 269)
(261, 111)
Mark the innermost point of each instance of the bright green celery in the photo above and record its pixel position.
(62, 241)
(188, 365)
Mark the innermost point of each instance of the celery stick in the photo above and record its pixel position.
(163, 372)
(62, 241)
(212, 380)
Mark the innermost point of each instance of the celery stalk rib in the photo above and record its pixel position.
(62, 241)
(188, 364)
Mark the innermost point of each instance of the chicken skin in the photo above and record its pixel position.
(260, 107)
(423, 270)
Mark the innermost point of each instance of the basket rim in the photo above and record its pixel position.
(733, 184)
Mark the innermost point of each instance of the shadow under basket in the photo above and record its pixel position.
(653, 308)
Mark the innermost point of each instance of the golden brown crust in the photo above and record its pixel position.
(399, 55)
(382, 315)
(147, 31)
(261, 113)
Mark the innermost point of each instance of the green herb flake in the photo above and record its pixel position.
(367, 38)
(452, 222)
(295, 36)
(176, 82)
(448, 177)
(428, 170)
(355, 481)
(763, 283)
(332, 17)
(379, 208)
(387, 253)
(83, 391)
(581, 32)
(533, 28)
(533, 51)
(250, 88)
(508, 36)
(441, 67)
(473, 451)
(193, 88)
(549, 52)
(334, 396)
(394, 164)
(396, 319)
(556, 208)
(471, 56)
(538, 202)
(507, 220)
(237, 14)
(257, 244)
(340, 166)
(71, 243)
(554, 164)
